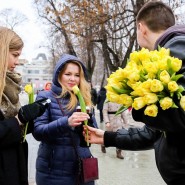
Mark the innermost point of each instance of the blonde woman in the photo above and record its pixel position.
(58, 128)
(13, 152)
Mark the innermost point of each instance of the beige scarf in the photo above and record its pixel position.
(10, 104)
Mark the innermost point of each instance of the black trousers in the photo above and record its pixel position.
(101, 115)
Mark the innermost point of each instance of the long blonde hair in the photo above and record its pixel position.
(83, 86)
(9, 41)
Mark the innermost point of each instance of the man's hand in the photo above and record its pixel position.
(94, 135)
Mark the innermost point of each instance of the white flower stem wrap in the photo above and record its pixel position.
(76, 90)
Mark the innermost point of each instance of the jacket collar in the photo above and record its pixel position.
(171, 32)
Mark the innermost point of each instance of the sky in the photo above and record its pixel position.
(31, 32)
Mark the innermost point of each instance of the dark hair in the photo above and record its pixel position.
(156, 15)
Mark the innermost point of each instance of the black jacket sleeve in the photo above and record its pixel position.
(170, 120)
(10, 132)
(132, 139)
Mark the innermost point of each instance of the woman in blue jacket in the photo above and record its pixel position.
(58, 128)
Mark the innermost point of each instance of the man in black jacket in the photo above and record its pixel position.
(165, 132)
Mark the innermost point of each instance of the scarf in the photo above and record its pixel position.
(10, 104)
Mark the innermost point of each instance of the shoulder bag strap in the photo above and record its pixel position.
(75, 147)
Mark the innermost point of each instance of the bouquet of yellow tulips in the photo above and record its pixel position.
(149, 78)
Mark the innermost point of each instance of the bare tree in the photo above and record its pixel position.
(49, 10)
(12, 18)
(101, 32)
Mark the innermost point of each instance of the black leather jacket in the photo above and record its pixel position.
(166, 132)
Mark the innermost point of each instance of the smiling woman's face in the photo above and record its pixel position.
(70, 76)
(13, 59)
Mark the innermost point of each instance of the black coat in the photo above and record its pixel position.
(94, 96)
(13, 154)
(165, 132)
(101, 98)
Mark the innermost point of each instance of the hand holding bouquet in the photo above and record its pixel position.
(149, 78)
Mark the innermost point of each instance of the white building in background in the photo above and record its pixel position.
(38, 71)
(20, 67)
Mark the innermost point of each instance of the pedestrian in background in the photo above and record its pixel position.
(47, 86)
(13, 117)
(58, 128)
(114, 122)
(130, 121)
(100, 101)
(164, 133)
(94, 97)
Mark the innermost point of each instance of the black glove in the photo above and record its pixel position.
(32, 111)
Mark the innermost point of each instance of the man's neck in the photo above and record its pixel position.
(153, 37)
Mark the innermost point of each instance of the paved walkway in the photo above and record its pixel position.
(137, 168)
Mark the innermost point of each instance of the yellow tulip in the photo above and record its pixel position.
(112, 97)
(138, 103)
(125, 100)
(182, 102)
(134, 56)
(134, 76)
(173, 86)
(146, 84)
(150, 98)
(166, 103)
(164, 76)
(162, 64)
(156, 86)
(143, 54)
(141, 89)
(28, 89)
(151, 110)
(151, 75)
(76, 90)
(176, 64)
(151, 67)
(163, 52)
(140, 92)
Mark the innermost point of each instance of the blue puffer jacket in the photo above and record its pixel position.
(57, 162)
